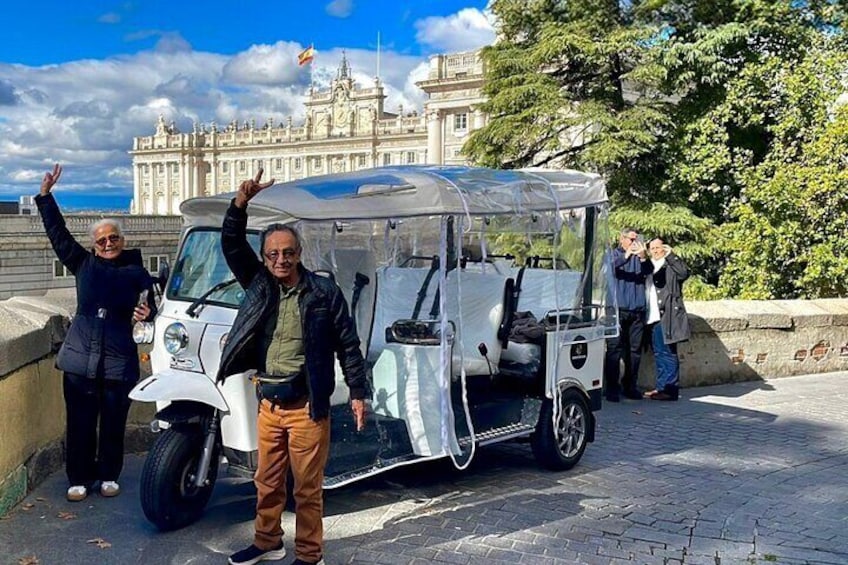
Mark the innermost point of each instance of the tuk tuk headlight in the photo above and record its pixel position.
(175, 338)
(143, 332)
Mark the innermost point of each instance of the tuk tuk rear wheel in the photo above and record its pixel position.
(169, 498)
(560, 445)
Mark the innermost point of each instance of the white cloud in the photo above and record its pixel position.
(340, 8)
(27, 175)
(109, 18)
(84, 114)
(465, 30)
(267, 64)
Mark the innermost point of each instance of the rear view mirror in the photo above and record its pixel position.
(163, 274)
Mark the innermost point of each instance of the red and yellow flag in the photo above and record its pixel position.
(306, 55)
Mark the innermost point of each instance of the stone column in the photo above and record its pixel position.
(185, 187)
(169, 202)
(434, 138)
(138, 203)
(479, 118)
(214, 174)
(154, 198)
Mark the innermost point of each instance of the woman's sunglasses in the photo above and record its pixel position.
(111, 238)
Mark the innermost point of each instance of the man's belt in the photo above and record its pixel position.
(281, 389)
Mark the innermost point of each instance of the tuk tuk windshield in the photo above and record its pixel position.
(201, 265)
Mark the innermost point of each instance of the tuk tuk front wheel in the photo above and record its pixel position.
(169, 497)
(559, 444)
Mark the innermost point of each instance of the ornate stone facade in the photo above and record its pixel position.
(346, 129)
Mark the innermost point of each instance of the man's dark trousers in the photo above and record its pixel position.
(627, 346)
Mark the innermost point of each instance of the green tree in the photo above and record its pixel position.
(570, 84)
(789, 234)
(680, 105)
(694, 239)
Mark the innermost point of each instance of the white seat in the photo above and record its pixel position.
(539, 295)
(397, 291)
(480, 316)
(481, 297)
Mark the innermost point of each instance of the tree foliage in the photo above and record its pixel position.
(788, 234)
(713, 122)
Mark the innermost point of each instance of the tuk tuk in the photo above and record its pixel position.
(478, 296)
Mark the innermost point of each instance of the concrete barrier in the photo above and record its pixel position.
(32, 408)
(731, 341)
(744, 340)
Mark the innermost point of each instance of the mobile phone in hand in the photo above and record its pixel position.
(142, 298)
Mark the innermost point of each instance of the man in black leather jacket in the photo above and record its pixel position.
(288, 328)
(98, 356)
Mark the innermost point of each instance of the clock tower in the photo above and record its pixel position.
(345, 110)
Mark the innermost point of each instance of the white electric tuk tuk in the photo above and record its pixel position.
(478, 296)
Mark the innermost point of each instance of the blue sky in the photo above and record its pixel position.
(79, 80)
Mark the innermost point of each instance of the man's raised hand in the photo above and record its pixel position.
(50, 179)
(250, 188)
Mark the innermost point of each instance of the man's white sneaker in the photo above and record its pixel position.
(77, 493)
(109, 489)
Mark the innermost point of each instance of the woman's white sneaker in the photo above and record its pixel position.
(77, 493)
(109, 488)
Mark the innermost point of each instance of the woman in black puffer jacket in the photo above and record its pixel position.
(99, 357)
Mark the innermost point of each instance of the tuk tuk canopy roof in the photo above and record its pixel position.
(407, 191)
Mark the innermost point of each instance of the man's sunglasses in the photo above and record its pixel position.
(286, 254)
(111, 238)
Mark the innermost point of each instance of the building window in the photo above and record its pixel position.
(242, 166)
(225, 167)
(460, 122)
(155, 261)
(160, 168)
(278, 164)
(297, 163)
(387, 159)
(260, 164)
(60, 271)
(362, 160)
(318, 162)
(145, 169)
(175, 168)
(410, 157)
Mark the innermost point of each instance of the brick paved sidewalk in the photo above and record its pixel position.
(745, 473)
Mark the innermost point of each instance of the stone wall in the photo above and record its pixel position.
(731, 341)
(27, 260)
(32, 409)
(743, 340)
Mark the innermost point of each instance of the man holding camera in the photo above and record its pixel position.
(630, 268)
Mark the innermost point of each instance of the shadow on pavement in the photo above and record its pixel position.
(726, 472)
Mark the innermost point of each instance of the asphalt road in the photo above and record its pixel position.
(745, 473)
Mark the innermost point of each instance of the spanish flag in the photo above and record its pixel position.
(306, 56)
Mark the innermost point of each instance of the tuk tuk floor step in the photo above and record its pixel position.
(518, 429)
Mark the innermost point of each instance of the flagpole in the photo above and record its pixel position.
(378, 54)
(312, 68)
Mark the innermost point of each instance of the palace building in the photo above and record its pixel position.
(347, 128)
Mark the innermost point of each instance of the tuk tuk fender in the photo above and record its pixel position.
(170, 386)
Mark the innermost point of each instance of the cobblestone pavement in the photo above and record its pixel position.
(745, 473)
